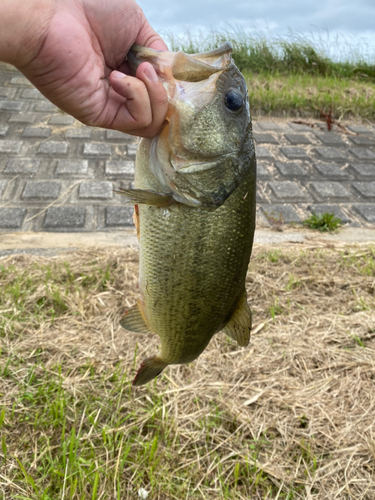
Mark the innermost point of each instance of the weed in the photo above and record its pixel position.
(325, 222)
(275, 309)
(274, 255)
(275, 219)
(293, 283)
(292, 54)
(235, 424)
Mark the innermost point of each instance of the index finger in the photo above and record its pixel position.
(147, 37)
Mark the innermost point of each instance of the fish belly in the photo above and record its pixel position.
(193, 264)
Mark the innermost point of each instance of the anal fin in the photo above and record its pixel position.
(145, 197)
(150, 368)
(239, 326)
(134, 320)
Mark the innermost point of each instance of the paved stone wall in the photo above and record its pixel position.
(58, 175)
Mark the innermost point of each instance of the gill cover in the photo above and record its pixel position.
(205, 148)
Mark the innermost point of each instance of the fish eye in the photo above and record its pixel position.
(233, 100)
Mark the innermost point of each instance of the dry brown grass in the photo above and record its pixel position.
(291, 416)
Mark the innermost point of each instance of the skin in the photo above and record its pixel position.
(194, 259)
(74, 52)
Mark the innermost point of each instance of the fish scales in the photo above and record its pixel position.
(196, 229)
(180, 259)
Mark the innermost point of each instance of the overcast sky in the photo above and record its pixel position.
(353, 19)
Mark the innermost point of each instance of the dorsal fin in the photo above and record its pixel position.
(239, 326)
(134, 320)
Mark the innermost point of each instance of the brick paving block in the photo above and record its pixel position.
(360, 140)
(330, 190)
(331, 153)
(75, 167)
(114, 135)
(263, 153)
(366, 211)
(12, 218)
(280, 214)
(274, 127)
(259, 198)
(331, 170)
(330, 209)
(288, 191)
(298, 127)
(265, 139)
(125, 168)
(3, 131)
(363, 154)
(32, 94)
(261, 220)
(132, 150)
(363, 170)
(365, 189)
(53, 148)
(78, 133)
(3, 185)
(22, 118)
(119, 216)
(20, 80)
(65, 217)
(96, 149)
(291, 169)
(255, 127)
(39, 132)
(12, 106)
(7, 92)
(331, 139)
(42, 189)
(10, 146)
(45, 106)
(262, 171)
(97, 190)
(61, 120)
(298, 139)
(295, 153)
(360, 129)
(22, 166)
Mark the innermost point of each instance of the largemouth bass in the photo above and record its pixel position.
(194, 197)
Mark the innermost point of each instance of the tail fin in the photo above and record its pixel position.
(150, 368)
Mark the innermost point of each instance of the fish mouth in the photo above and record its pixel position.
(181, 66)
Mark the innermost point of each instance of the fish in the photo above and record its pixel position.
(194, 198)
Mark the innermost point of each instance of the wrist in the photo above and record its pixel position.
(23, 28)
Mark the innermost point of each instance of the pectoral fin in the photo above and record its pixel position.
(150, 368)
(239, 326)
(134, 320)
(146, 197)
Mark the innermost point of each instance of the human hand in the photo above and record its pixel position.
(78, 64)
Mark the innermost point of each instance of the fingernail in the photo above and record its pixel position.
(118, 74)
(151, 74)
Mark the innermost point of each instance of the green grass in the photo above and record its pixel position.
(295, 54)
(325, 222)
(72, 426)
(296, 76)
(105, 442)
(297, 94)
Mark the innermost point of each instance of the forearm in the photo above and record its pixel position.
(23, 27)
